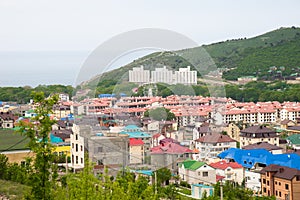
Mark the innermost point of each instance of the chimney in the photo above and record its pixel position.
(281, 170)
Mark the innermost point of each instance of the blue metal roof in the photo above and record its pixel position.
(134, 131)
(248, 158)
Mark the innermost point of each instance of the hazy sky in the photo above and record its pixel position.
(72, 25)
(83, 25)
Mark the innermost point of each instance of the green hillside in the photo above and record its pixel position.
(237, 57)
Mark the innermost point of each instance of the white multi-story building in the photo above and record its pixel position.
(231, 171)
(185, 76)
(162, 75)
(139, 75)
(77, 148)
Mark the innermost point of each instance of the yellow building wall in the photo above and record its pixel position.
(18, 156)
(62, 150)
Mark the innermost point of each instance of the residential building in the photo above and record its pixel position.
(136, 151)
(233, 131)
(139, 75)
(281, 182)
(294, 141)
(252, 180)
(212, 144)
(265, 145)
(156, 138)
(194, 172)
(162, 75)
(7, 119)
(185, 76)
(231, 171)
(168, 155)
(258, 133)
(136, 132)
(77, 142)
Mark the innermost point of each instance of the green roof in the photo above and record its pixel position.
(294, 139)
(192, 164)
(9, 140)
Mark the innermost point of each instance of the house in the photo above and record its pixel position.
(231, 171)
(284, 124)
(258, 133)
(136, 151)
(7, 120)
(212, 144)
(265, 145)
(169, 155)
(233, 131)
(281, 182)
(77, 142)
(293, 130)
(294, 141)
(156, 138)
(136, 132)
(252, 180)
(199, 191)
(193, 172)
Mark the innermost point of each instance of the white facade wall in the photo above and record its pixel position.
(252, 180)
(139, 75)
(230, 174)
(77, 148)
(162, 75)
(185, 76)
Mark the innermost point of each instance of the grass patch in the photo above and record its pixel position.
(12, 190)
(8, 138)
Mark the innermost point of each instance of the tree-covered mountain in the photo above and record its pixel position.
(237, 57)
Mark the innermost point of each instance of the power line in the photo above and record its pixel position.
(13, 145)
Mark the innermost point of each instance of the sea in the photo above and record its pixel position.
(33, 68)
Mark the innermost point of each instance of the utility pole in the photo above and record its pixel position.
(221, 190)
(155, 182)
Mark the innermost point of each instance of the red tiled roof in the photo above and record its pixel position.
(224, 165)
(135, 142)
(219, 178)
(170, 148)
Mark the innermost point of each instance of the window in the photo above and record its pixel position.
(228, 169)
(297, 178)
(81, 159)
(229, 176)
(265, 190)
(279, 183)
(286, 186)
(204, 174)
(276, 193)
(76, 159)
(264, 181)
(72, 145)
(76, 147)
(275, 182)
(279, 194)
(81, 148)
(76, 136)
(268, 183)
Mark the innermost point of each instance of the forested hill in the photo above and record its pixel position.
(252, 56)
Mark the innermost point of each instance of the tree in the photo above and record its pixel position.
(43, 178)
(159, 114)
(163, 175)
